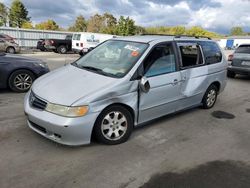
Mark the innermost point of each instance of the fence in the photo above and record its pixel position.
(29, 37)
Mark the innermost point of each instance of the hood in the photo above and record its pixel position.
(19, 58)
(68, 84)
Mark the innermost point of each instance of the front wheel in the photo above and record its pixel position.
(114, 125)
(62, 49)
(21, 80)
(11, 50)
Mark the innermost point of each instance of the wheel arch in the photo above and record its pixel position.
(129, 108)
(18, 69)
(217, 84)
(10, 47)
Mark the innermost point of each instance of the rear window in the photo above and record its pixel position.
(212, 52)
(77, 37)
(245, 49)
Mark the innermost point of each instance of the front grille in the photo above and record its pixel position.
(42, 129)
(36, 102)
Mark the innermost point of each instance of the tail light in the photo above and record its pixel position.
(230, 57)
(81, 44)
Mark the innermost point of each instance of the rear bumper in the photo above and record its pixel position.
(239, 70)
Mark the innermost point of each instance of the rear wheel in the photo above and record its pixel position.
(21, 80)
(114, 125)
(210, 97)
(62, 49)
(230, 74)
(10, 50)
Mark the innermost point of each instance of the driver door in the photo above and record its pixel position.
(160, 69)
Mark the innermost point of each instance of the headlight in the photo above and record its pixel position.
(44, 65)
(67, 111)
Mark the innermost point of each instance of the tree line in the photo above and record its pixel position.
(17, 16)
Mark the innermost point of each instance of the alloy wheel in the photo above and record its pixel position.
(114, 125)
(23, 81)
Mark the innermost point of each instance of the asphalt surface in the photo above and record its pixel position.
(195, 148)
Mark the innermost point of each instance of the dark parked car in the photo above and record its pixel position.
(40, 45)
(240, 61)
(18, 72)
(59, 45)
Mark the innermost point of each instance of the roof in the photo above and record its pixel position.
(151, 38)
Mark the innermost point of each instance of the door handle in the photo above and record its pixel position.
(175, 82)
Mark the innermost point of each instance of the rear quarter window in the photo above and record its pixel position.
(211, 51)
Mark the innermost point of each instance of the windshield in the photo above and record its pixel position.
(112, 58)
(245, 49)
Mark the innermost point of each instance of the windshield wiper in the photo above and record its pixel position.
(100, 71)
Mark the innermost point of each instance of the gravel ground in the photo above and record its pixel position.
(195, 148)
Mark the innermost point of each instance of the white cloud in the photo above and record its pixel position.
(215, 15)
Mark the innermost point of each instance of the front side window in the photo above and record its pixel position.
(161, 60)
(212, 52)
(112, 58)
(76, 36)
(190, 55)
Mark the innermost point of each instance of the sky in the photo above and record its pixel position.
(213, 15)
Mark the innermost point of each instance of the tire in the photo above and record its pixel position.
(62, 49)
(210, 97)
(11, 50)
(114, 125)
(230, 74)
(21, 80)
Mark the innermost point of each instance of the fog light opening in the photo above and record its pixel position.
(57, 135)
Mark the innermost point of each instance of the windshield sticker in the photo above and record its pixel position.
(132, 48)
(134, 53)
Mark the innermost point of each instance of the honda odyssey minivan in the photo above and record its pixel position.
(122, 83)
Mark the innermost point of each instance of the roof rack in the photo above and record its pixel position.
(179, 36)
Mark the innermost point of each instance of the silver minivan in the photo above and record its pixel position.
(122, 83)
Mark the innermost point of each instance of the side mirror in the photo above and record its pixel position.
(144, 84)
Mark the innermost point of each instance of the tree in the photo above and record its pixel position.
(47, 25)
(27, 25)
(95, 23)
(139, 30)
(236, 31)
(109, 24)
(178, 30)
(126, 26)
(3, 15)
(80, 25)
(18, 14)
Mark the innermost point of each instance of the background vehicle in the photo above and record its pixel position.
(81, 42)
(59, 45)
(240, 61)
(9, 46)
(40, 45)
(7, 37)
(18, 72)
(123, 83)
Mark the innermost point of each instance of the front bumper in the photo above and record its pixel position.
(63, 130)
(239, 70)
